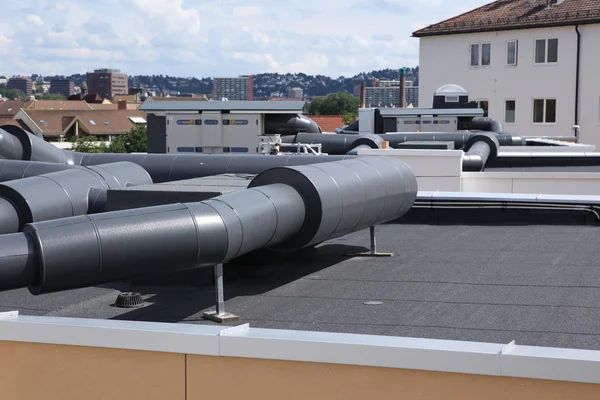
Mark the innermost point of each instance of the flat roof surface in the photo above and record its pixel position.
(538, 284)
(295, 106)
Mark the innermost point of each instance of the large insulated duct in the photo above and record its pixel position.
(63, 193)
(480, 149)
(339, 144)
(18, 144)
(173, 167)
(481, 124)
(16, 169)
(284, 209)
(459, 139)
(284, 125)
(162, 167)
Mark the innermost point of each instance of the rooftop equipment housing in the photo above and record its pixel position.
(452, 111)
(215, 127)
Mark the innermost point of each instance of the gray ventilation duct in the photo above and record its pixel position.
(25, 146)
(479, 150)
(15, 169)
(161, 167)
(63, 193)
(284, 125)
(286, 209)
(340, 144)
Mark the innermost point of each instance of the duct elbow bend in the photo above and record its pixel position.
(480, 149)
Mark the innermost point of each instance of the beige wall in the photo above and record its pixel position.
(41, 371)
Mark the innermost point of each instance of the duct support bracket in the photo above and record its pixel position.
(373, 252)
(219, 315)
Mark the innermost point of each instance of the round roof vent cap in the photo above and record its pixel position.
(129, 300)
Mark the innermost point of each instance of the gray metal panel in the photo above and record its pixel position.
(18, 264)
(466, 112)
(122, 174)
(66, 193)
(10, 146)
(158, 106)
(16, 169)
(331, 199)
(35, 148)
(157, 134)
(9, 217)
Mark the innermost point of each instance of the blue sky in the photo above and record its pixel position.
(215, 37)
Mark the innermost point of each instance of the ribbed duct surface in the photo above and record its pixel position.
(64, 193)
(346, 196)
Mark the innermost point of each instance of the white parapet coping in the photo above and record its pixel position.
(494, 359)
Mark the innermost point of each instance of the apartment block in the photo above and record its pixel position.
(107, 82)
(236, 88)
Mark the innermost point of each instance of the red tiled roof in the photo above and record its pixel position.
(517, 14)
(106, 122)
(10, 108)
(328, 123)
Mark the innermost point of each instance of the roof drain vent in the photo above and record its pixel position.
(129, 300)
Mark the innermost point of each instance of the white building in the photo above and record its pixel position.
(519, 59)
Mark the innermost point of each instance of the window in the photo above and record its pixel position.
(546, 51)
(484, 105)
(544, 111)
(92, 122)
(106, 122)
(511, 52)
(510, 107)
(481, 54)
(43, 122)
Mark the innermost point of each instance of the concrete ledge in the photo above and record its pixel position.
(244, 342)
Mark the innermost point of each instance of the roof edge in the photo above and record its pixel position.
(458, 16)
(505, 28)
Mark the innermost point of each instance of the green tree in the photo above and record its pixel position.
(134, 141)
(349, 118)
(52, 96)
(87, 144)
(13, 94)
(339, 103)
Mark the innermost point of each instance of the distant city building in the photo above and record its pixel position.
(107, 82)
(65, 87)
(239, 88)
(23, 84)
(295, 93)
(389, 96)
(393, 83)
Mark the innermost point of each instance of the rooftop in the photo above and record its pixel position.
(517, 14)
(492, 277)
(93, 122)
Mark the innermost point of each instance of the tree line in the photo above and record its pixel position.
(134, 141)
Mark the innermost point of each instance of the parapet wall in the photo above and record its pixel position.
(66, 358)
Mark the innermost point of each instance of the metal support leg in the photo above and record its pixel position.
(220, 315)
(373, 242)
(373, 252)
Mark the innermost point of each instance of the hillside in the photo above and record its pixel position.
(264, 84)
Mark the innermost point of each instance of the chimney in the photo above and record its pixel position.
(402, 87)
(122, 105)
(362, 95)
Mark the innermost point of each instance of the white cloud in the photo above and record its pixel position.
(35, 19)
(216, 37)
